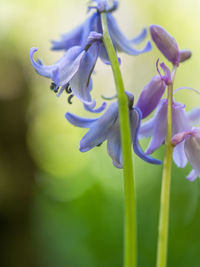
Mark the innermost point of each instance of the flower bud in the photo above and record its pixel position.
(151, 95)
(165, 43)
(185, 55)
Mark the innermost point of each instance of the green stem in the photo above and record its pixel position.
(130, 257)
(166, 181)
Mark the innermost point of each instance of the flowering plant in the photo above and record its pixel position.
(100, 37)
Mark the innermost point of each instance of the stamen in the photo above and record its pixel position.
(54, 87)
(70, 98)
(68, 89)
(99, 145)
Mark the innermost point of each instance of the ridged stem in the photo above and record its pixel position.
(166, 181)
(130, 239)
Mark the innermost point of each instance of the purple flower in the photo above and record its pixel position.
(106, 127)
(79, 35)
(191, 142)
(73, 70)
(156, 128)
(153, 91)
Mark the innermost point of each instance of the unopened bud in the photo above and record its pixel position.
(151, 95)
(165, 43)
(185, 55)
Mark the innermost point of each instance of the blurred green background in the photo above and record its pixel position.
(60, 207)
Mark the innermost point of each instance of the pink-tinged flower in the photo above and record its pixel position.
(191, 142)
(153, 91)
(106, 127)
(156, 128)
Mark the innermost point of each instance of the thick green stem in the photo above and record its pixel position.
(130, 257)
(166, 181)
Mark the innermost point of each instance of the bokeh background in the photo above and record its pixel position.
(58, 206)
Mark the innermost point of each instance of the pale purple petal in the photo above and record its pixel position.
(151, 95)
(179, 156)
(140, 38)
(159, 133)
(78, 121)
(180, 137)
(114, 145)
(91, 108)
(100, 129)
(180, 121)
(192, 176)
(135, 119)
(103, 54)
(194, 116)
(80, 81)
(121, 43)
(78, 36)
(64, 69)
(147, 128)
(192, 150)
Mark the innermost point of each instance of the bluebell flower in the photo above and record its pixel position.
(79, 35)
(73, 70)
(191, 142)
(153, 91)
(156, 128)
(106, 127)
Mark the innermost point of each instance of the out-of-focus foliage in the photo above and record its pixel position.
(60, 207)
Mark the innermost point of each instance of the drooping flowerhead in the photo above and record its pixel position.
(73, 70)
(156, 128)
(106, 127)
(153, 91)
(191, 141)
(79, 35)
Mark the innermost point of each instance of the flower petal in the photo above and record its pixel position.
(151, 95)
(78, 36)
(192, 150)
(135, 119)
(159, 134)
(120, 42)
(138, 39)
(114, 145)
(80, 83)
(100, 129)
(192, 176)
(194, 116)
(147, 128)
(180, 121)
(179, 156)
(78, 121)
(91, 108)
(64, 69)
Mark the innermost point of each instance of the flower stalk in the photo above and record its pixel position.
(166, 181)
(130, 242)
